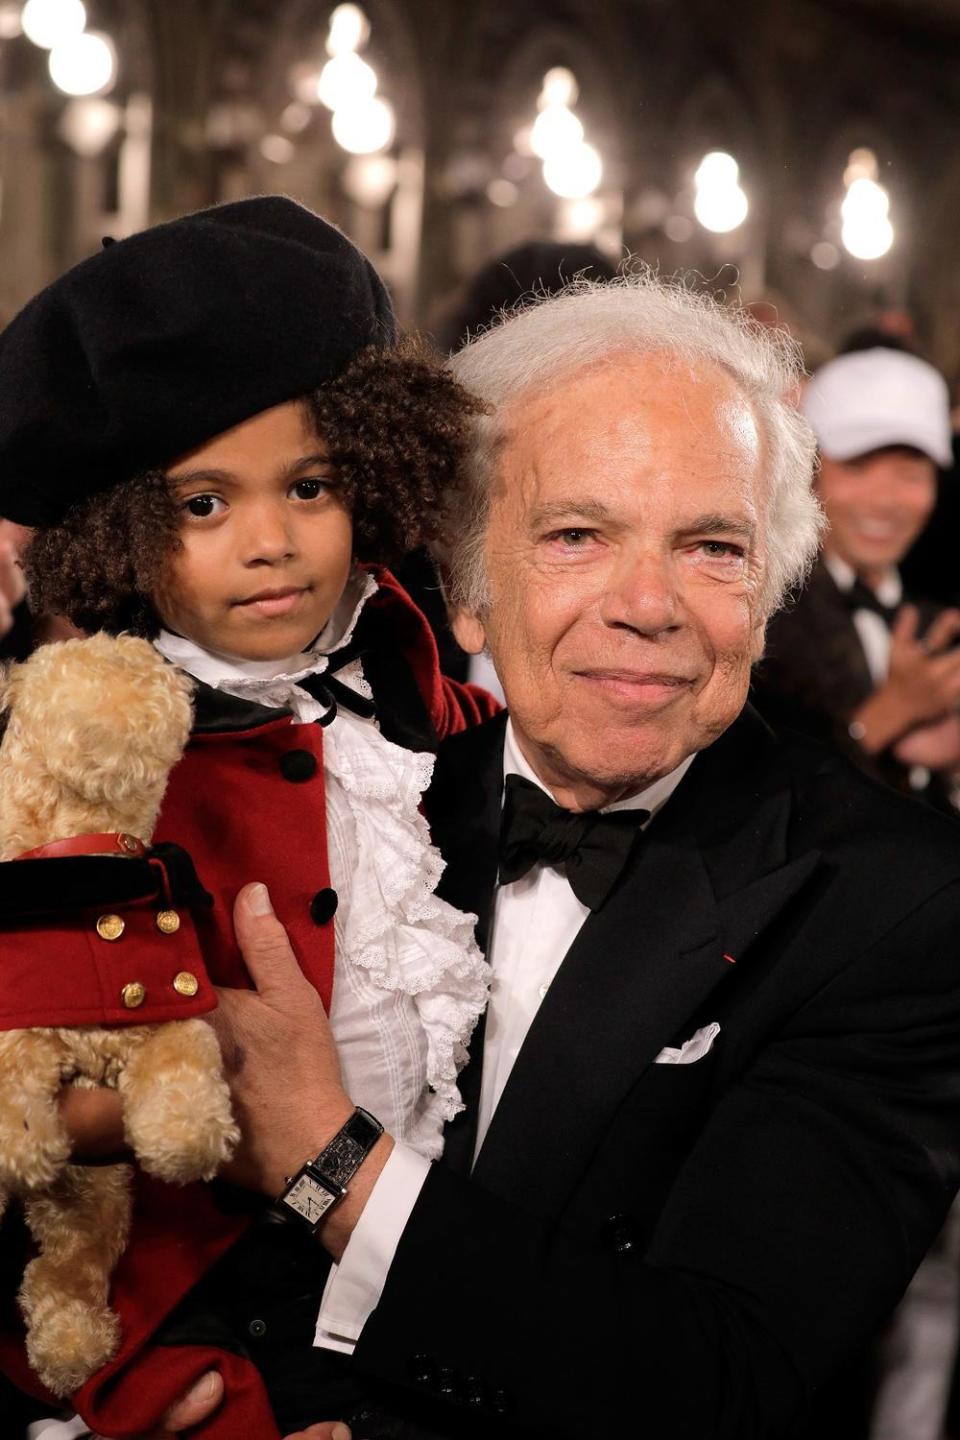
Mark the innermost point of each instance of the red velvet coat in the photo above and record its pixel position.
(247, 802)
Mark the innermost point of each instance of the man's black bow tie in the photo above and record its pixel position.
(861, 597)
(594, 847)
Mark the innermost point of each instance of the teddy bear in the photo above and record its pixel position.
(93, 728)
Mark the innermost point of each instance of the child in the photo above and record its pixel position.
(208, 424)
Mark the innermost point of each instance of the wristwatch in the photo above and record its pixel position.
(321, 1182)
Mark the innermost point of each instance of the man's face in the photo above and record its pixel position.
(877, 505)
(624, 557)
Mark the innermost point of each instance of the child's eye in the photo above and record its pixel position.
(310, 488)
(203, 505)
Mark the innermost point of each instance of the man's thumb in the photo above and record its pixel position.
(196, 1405)
(263, 941)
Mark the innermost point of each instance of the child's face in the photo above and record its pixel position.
(266, 542)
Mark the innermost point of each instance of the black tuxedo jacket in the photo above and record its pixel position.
(814, 676)
(689, 1249)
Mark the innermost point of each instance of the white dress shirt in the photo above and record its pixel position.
(534, 923)
(872, 629)
(874, 633)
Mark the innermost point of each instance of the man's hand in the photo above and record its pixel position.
(923, 683)
(284, 1074)
(937, 746)
(94, 1121)
(204, 1398)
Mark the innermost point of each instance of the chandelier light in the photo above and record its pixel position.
(52, 22)
(346, 80)
(866, 232)
(86, 64)
(719, 203)
(349, 30)
(572, 168)
(575, 173)
(365, 127)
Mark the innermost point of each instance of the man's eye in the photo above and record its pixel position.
(310, 488)
(573, 538)
(721, 549)
(203, 505)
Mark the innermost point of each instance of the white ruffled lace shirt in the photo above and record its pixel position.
(409, 981)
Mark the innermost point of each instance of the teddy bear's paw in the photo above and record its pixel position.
(34, 1146)
(176, 1104)
(182, 1133)
(68, 1340)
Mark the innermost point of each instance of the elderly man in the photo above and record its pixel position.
(714, 1119)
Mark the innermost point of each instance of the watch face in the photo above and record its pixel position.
(309, 1199)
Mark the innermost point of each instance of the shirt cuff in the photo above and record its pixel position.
(354, 1287)
(52, 1429)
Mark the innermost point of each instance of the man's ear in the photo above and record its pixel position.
(758, 639)
(468, 631)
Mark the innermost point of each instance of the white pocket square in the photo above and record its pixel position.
(691, 1050)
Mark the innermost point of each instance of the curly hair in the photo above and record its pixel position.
(396, 427)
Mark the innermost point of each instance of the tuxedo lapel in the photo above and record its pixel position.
(708, 877)
(637, 968)
(463, 808)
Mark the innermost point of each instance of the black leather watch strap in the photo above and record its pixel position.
(321, 1182)
(341, 1159)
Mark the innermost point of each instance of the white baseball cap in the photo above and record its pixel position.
(872, 398)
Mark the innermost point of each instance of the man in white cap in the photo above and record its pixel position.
(851, 660)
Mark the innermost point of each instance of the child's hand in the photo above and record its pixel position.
(281, 1062)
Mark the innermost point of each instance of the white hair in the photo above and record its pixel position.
(530, 348)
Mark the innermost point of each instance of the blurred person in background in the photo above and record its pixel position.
(538, 267)
(855, 664)
(21, 631)
(852, 661)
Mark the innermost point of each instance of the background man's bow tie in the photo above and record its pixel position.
(594, 847)
(861, 597)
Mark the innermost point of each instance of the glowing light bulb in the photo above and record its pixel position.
(719, 203)
(84, 65)
(866, 231)
(52, 22)
(573, 173)
(349, 30)
(555, 128)
(365, 127)
(559, 88)
(715, 169)
(346, 80)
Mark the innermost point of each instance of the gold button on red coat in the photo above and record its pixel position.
(168, 922)
(110, 927)
(133, 994)
(185, 983)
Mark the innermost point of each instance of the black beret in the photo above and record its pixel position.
(163, 340)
